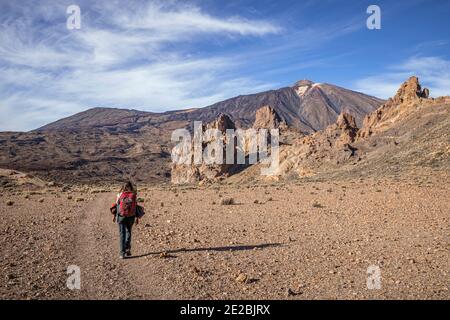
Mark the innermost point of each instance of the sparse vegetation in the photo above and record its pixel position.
(94, 191)
(227, 201)
(317, 205)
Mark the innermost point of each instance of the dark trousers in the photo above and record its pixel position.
(125, 226)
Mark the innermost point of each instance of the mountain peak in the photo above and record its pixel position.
(304, 82)
(302, 86)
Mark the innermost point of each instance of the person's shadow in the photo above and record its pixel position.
(170, 253)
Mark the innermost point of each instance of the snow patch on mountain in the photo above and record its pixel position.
(301, 90)
(302, 87)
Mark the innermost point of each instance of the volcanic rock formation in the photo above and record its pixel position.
(410, 96)
(205, 171)
(266, 118)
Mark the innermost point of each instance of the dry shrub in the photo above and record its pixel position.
(227, 201)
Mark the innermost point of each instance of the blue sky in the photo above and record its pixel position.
(165, 55)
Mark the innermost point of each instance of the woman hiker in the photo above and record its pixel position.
(126, 204)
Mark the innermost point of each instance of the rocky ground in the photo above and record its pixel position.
(288, 240)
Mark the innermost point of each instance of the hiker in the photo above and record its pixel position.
(125, 216)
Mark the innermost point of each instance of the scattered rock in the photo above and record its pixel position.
(291, 293)
(242, 278)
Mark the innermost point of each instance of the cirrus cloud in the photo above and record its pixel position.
(136, 55)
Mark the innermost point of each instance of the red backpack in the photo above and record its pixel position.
(127, 204)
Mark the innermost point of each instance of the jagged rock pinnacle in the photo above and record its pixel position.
(266, 118)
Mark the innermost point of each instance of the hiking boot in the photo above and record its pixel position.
(128, 252)
(122, 256)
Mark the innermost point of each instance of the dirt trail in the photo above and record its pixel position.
(103, 274)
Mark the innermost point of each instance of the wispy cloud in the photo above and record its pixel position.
(188, 19)
(123, 56)
(433, 73)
